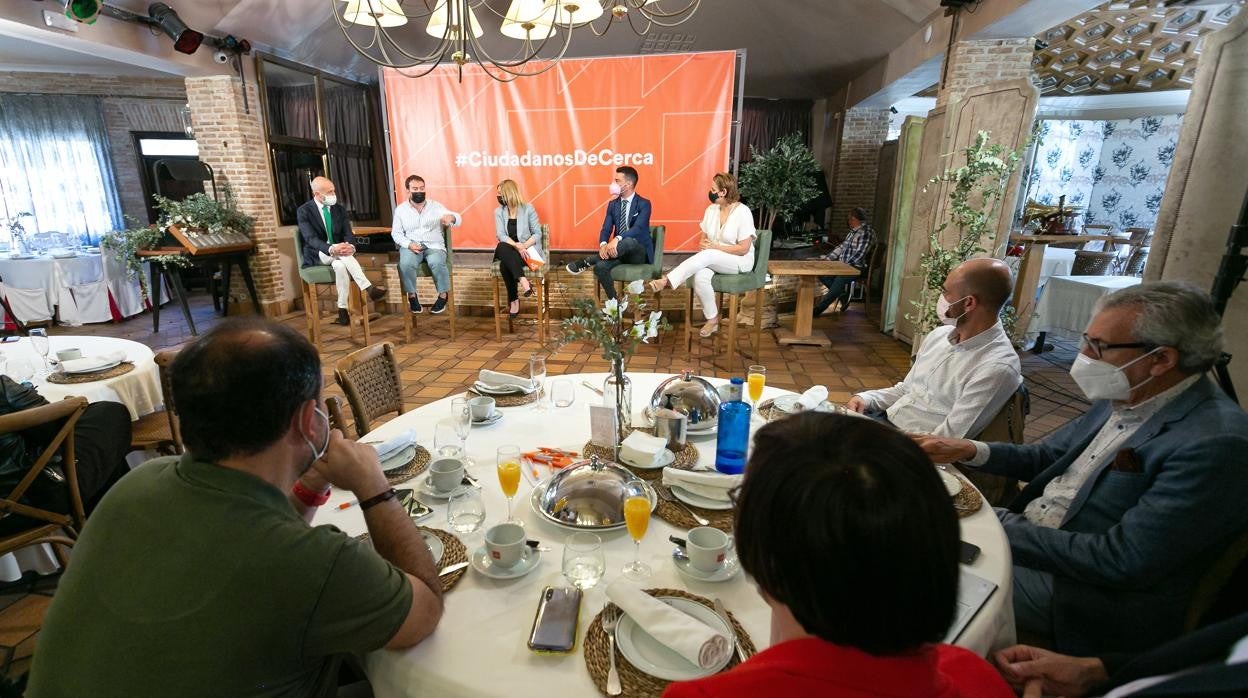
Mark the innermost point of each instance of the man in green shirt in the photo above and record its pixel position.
(200, 575)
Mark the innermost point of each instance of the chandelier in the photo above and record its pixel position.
(543, 29)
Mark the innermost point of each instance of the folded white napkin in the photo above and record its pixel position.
(677, 630)
(813, 397)
(90, 363)
(712, 485)
(641, 449)
(494, 379)
(394, 444)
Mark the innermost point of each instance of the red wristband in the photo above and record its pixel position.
(309, 497)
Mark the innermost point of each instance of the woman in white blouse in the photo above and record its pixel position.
(727, 248)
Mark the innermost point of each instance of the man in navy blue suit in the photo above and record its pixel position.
(625, 236)
(327, 240)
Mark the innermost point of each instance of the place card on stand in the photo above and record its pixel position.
(603, 426)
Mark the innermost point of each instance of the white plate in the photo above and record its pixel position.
(666, 459)
(691, 434)
(529, 560)
(501, 390)
(426, 488)
(400, 458)
(96, 369)
(65, 255)
(536, 498)
(645, 653)
(789, 405)
(730, 569)
(435, 547)
(698, 500)
(21, 256)
(952, 485)
(493, 419)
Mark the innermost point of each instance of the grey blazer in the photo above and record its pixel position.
(526, 226)
(1137, 537)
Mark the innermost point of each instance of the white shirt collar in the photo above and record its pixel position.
(1153, 405)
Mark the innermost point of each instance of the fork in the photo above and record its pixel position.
(665, 493)
(611, 617)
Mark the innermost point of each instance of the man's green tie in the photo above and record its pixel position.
(329, 224)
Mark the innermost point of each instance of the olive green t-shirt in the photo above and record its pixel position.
(195, 580)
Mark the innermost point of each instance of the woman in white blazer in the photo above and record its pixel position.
(519, 235)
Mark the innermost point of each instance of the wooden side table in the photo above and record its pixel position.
(807, 271)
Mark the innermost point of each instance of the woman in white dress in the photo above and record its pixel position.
(727, 248)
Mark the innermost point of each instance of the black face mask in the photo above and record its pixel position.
(418, 197)
(502, 201)
(713, 196)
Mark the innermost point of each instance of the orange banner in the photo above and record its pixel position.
(560, 136)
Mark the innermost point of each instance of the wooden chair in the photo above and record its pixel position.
(333, 408)
(862, 285)
(1006, 427)
(1137, 262)
(159, 431)
(311, 279)
(47, 526)
(424, 271)
(541, 291)
(624, 274)
(734, 286)
(369, 377)
(1089, 263)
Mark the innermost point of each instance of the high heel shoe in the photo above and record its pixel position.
(708, 331)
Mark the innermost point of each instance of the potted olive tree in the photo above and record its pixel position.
(780, 181)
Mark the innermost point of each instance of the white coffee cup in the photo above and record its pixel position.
(505, 543)
(69, 354)
(482, 408)
(445, 474)
(707, 548)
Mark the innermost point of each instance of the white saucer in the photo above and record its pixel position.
(645, 653)
(666, 459)
(435, 547)
(96, 369)
(401, 457)
(426, 488)
(529, 560)
(492, 419)
(691, 434)
(698, 500)
(728, 571)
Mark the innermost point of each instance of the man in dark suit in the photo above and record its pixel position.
(625, 236)
(327, 239)
(1127, 507)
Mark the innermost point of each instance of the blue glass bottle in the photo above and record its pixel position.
(734, 430)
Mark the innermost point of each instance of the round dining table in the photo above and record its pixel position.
(479, 647)
(138, 390)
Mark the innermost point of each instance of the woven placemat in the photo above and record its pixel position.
(61, 378)
(685, 459)
(453, 553)
(513, 400)
(677, 515)
(968, 500)
(766, 410)
(414, 467)
(635, 682)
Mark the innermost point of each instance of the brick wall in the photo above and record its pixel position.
(232, 142)
(101, 85)
(858, 162)
(975, 63)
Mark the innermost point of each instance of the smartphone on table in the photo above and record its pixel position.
(555, 624)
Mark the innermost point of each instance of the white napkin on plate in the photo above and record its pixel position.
(712, 485)
(90, 363)
(394, 444)
(641, 449)
(494, 379)
(677, 630)
(813, 398)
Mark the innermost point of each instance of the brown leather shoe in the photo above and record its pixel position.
(376, 293)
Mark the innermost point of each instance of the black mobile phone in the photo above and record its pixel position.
(969, 554)
(558, 615)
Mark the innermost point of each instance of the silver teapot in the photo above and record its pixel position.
(589, 495)
(690, 395)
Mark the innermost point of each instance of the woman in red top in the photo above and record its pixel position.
(852, 540)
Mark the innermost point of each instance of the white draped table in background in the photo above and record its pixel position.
(81, 289)
(479, 648)
(1066, 303)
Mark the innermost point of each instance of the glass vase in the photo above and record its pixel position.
(617, 392)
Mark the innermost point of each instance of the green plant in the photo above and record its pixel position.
(126, 244)
(974, 199)
(200, 211)
(780, 181)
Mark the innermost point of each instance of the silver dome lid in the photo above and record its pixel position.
(690, 395)
(588, 495)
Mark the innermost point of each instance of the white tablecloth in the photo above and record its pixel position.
(479, 647)
(1065, 305)
(138, 390)
(35, 286)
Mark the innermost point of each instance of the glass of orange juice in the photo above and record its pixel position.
(508, 460)
(756, 378)
(637, 517)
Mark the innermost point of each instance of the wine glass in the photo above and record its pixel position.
(39, 339)
(446, 440)
(756, 378)
(20, 370)
(562, 392)
(537, 374)
(462, 414)
(583, 561)
(508, 460)
(465, 512)
(637, 516)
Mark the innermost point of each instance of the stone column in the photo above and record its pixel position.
(975, 63)
(858, 162)
(231, 140)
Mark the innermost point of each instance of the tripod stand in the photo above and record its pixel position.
(1230, 272)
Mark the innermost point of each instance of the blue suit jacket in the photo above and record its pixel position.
(638, 223)
(1133, 545)
(312, 230)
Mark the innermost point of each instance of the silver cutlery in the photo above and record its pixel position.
(665, 493)
(679, 553)
(610, 618)
(472, 481)
(589, 385)
(450, 569)
(742, 655)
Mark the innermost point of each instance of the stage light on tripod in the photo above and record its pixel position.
(185, 39)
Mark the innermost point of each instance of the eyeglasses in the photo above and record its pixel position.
(1097, 347)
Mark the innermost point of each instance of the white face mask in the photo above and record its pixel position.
(615, 189)
(319, 454)
(1101, 380)
(331, 199)
(942, 309)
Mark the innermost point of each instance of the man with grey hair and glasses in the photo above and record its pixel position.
(1127, 507)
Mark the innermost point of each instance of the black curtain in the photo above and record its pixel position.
(764, 121)
(292, 111)
(347, 116)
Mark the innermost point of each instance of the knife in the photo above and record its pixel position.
(723, 613)
(452, 568)
(589, 385)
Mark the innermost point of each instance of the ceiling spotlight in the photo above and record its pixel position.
(185, 39)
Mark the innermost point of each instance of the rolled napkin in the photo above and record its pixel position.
(394, 444)
(813, 398)
(91, 363)
(494, 379)
(641, 449)
(677, 630)
(712, 485)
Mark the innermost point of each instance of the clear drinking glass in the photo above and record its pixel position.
(39, 340)
(583, 561)
(446, 440)
(562, 392)
(462, 415)
(537, 374)
(465, 512)
(508, 464)
(20, 370)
